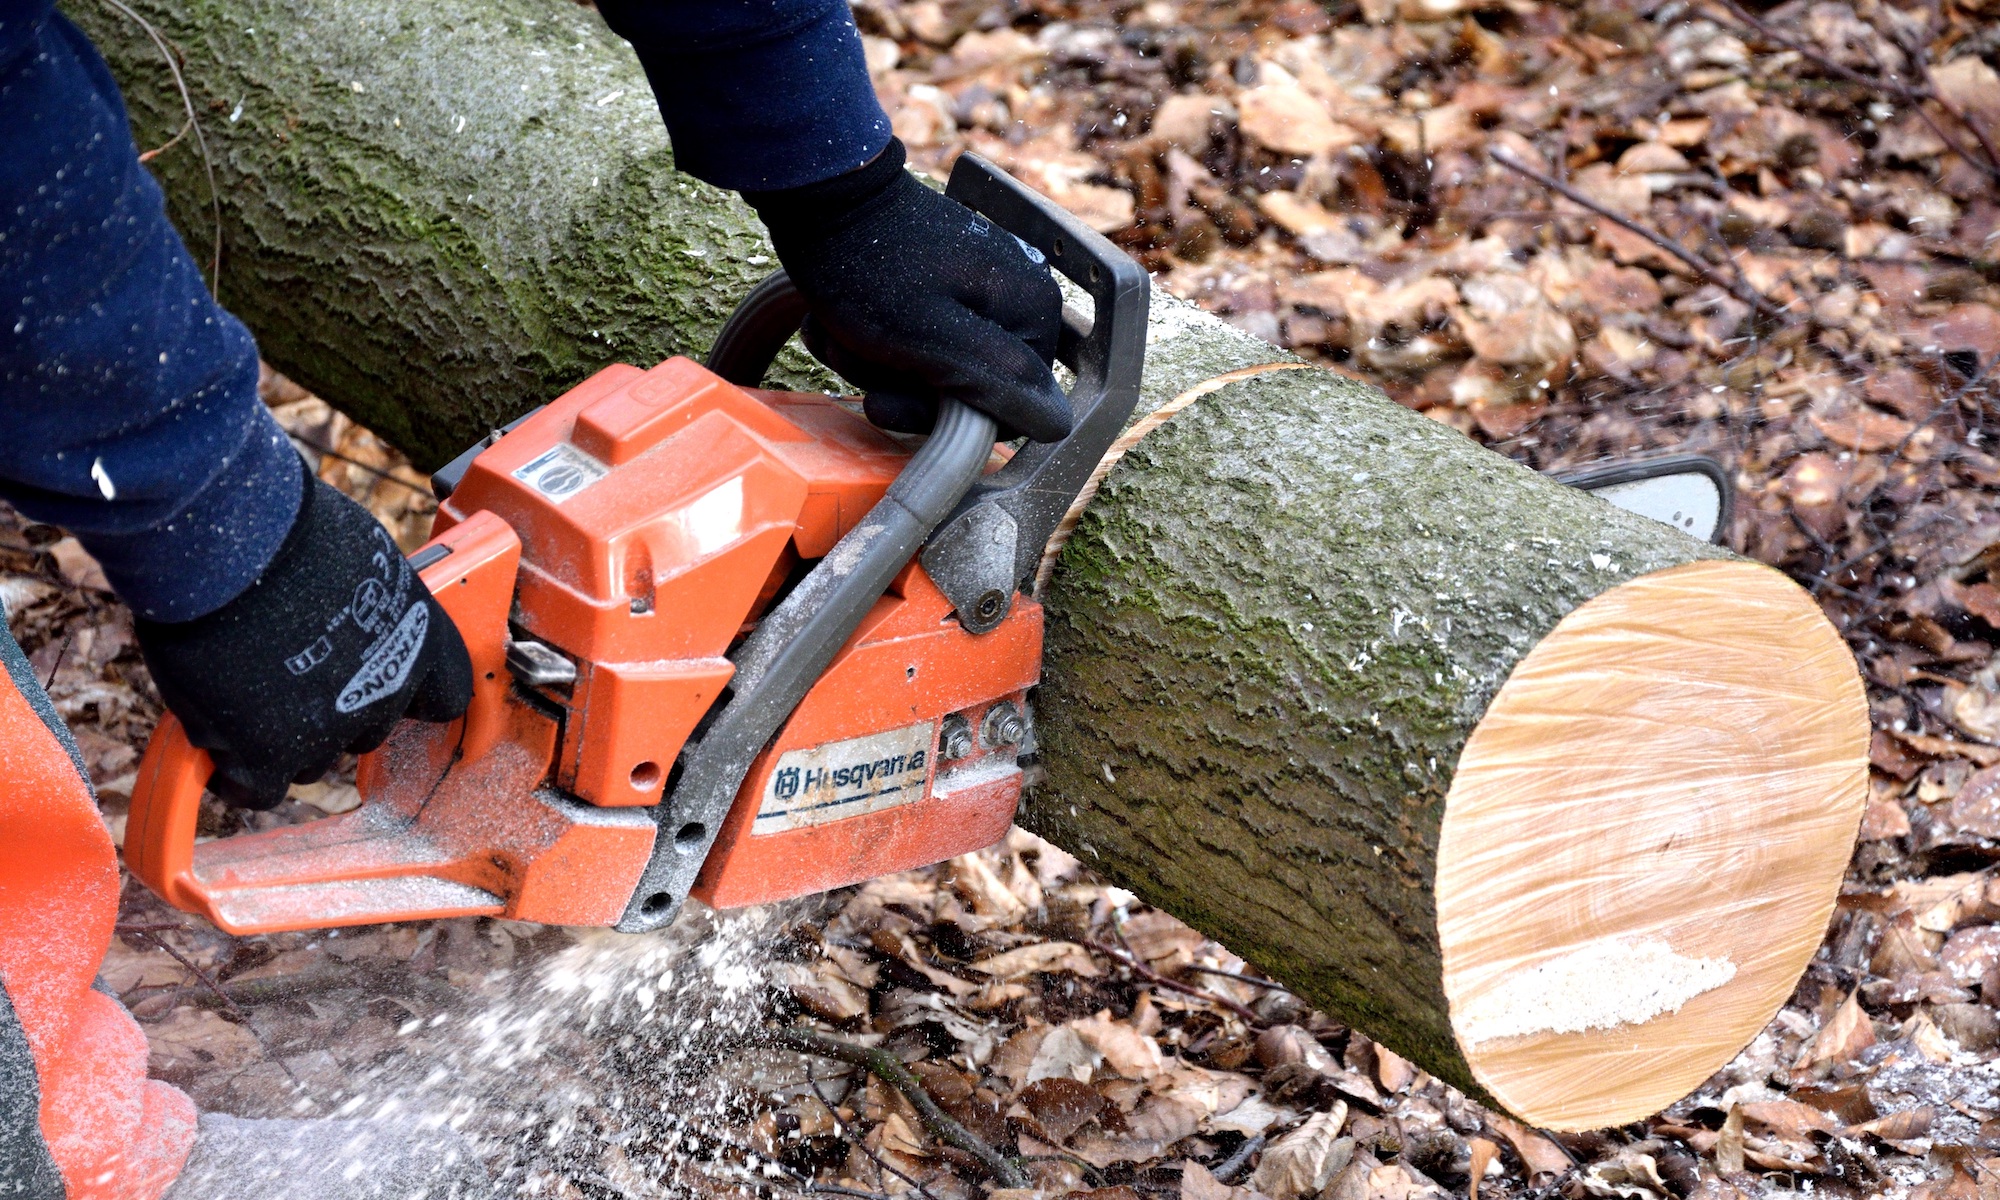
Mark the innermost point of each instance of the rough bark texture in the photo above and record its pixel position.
(1269, 637)
(1271, 634)
(440, 214)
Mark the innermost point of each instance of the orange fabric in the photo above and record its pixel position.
(113, 1134)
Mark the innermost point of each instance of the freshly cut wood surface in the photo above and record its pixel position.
(1645, 838)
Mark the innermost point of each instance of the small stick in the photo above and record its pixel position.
(1233, 1165)
(1268, 984)
(840, 1127)
(1151, 976)
(886, 1067)
(1705, 269)
(834, 1189)
(207, 163)
(1894, 87)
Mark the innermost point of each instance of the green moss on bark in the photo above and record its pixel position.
(436, 215)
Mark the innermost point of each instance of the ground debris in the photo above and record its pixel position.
(1776, 241)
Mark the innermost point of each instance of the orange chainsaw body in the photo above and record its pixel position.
(636, 528)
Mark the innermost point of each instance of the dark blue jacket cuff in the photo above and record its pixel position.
(758, 95)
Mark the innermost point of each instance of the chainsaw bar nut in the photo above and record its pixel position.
(1003, 726)
(955, 738)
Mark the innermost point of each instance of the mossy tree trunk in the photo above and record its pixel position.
(1274, 633)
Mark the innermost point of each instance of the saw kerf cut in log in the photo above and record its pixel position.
(1547, 798)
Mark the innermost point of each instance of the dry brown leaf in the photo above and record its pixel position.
(1538, 1154)
(1627, 1176)
(1788, 1119)
(1199, 1183)
(125, 968)
(1484, 1154)
(1975, 710)
(1039, 956)
(1063, 1053)
(1846, 1033)
(1623, 194)
(1971, 954)
(198, 1041)
(1898, 1126)
(1858, 427)
(901, 1136)
(1352, 1183)
(1943, 747)
(1201, 1091)
(1647, 157)
(1729, 1143)
(1296, 216)
(1104, 209)
(820, 990)
(1016, 1056)
(1306, 1159)
(1124, 1049)
(978, 884)
(1883, 819)
(1059, 1106)
(1281, 1044)
(1253, 1116)
(1392, 1070)
(1972, 86)
(1923, 1034)
(1506, 320)
(1161, 939)
(1287, 118)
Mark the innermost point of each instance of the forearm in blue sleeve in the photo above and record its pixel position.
(758, 95)
(128, 399)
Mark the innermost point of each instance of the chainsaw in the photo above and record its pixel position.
(726, 643)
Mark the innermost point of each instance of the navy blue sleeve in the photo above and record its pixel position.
(758, 95)
(128, 399)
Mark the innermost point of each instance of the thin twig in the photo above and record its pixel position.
(1132, 964)
(834, 1189)
(1914, 97)
(841, 1129)
(1705, 269)
(1267, 984)
(146, 156)
(1233, 1165)
(62, 652)
(242, 1018)
(201, 142)
(202, 977)
(890, 1070)
(378, 472)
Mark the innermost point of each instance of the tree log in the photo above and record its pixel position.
(1546, 797)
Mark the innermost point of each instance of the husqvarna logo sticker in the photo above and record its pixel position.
(388, 662)
(846, 779)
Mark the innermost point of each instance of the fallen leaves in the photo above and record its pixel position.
(1305, 1160)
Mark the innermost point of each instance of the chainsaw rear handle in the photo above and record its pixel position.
(993, 541)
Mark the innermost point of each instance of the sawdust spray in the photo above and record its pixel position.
(606, 1068)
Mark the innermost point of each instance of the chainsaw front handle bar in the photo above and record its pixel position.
(992, 543)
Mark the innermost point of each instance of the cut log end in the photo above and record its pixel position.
(1644, 840)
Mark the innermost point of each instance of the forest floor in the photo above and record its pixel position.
(1768, 235)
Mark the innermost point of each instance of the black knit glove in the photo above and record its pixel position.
(335, 642)
(914, 296)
